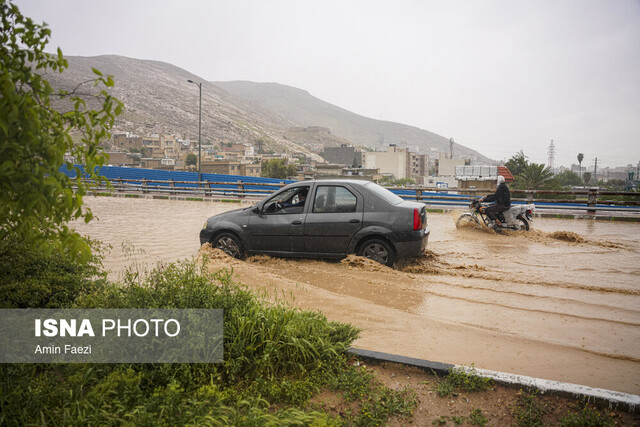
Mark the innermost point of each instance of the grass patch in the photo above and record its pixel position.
(440, 421)
(367, 400)
(586, 415)
(230, 201)
(458, 420)
(477, 418)
(194, 199)
(528, 411)
(161, 197)
(103, 194)
(382, 403)
(132, 196)
(458, 379)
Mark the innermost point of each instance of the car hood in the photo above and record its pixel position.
(232, 213)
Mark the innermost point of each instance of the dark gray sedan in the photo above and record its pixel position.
(323, 219)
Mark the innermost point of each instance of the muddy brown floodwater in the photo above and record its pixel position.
(561, 302)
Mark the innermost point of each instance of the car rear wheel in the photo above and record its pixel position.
(377, 250)
(229, 244)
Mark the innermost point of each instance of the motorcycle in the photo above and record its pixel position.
(517, 217)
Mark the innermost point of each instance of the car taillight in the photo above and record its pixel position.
(417, 220)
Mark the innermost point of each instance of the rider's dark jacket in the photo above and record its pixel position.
(502, 196)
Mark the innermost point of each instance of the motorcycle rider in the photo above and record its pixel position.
(502, 197)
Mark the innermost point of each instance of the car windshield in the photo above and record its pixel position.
(384, 193)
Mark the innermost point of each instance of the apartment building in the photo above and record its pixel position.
(227, 167)
(418, 166)
(343, 155)
(391, 162)
(126, 141)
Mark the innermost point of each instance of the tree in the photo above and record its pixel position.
(586, 177)
(191, 160)
(568, 179)
(260, 143)
(277, 168)
(535, 176)
(614, 184)
(580, 158)
(517, 164)
(36, 198)
(388, 180)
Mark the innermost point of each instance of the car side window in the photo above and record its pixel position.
(331, 199)
(291, 201)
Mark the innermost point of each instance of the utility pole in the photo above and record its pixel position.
(595, 172)
(199, 129)
(551, 153)
(451, 147)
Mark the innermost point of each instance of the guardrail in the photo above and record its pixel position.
(590, 200)
(238, 189)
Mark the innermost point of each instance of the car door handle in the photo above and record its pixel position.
(296, 223)
(354, 221)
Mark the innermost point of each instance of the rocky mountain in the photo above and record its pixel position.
(300, 107)
(159, 99)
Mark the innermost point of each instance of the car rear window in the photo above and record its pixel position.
(384, 193)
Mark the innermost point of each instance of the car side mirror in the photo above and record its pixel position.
(256, 210)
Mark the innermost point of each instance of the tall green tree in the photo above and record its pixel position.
(568, 179)
(277, 168)
(517, 163)
(36, 199)
(580, 159)
(191, 160)
(535, 176)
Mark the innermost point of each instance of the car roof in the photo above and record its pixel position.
(334, 181)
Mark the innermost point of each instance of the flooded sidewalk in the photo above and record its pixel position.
(561, 302)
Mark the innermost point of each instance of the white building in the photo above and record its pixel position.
(393, 161)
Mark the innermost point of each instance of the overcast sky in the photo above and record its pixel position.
(497, 76)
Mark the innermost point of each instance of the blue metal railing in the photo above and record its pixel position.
(178, 182)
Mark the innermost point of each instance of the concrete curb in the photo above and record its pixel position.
(614, 399)
(427, 365)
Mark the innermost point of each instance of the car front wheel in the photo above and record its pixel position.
(229, 244)
(377, 250)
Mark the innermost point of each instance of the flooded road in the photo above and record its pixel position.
(561, 302)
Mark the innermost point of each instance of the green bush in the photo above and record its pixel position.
(276, 357)
(261, 340)
(31, 278)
